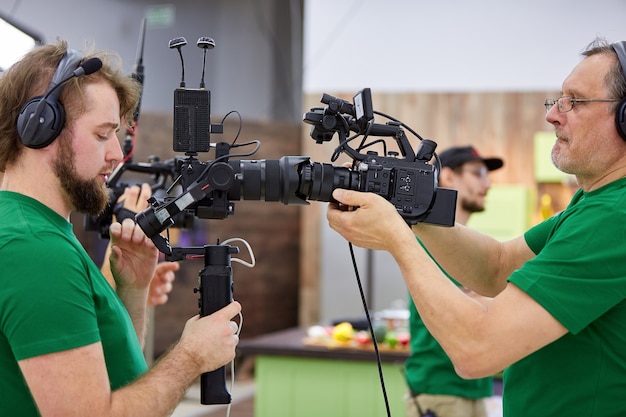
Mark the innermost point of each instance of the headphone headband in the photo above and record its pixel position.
(69, 62)
(620, 113)
(620, 50)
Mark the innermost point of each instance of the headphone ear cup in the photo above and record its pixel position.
(39, 132)
(42, 118)
(620, 118)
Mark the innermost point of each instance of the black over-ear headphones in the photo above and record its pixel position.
(620, 113)
(42, 118)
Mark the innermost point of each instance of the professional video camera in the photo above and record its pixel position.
(410, 183)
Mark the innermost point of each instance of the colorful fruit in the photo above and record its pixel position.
(380, 330)
(343, 332)
(391, 339)
(363, 338)
(404, 338)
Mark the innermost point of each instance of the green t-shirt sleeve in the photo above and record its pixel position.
(50, 308)
(579, 272)
(537, 236)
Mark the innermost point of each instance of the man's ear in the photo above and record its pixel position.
(446, 177)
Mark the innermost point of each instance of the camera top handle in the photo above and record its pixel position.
(342, 117)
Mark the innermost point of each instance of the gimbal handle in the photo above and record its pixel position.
(216, 291)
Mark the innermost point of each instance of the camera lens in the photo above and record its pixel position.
(319, 180)
(290, 180)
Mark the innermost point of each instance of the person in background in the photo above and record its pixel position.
(433, 383)
(69, 344)
(556, 322)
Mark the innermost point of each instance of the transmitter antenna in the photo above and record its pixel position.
(178, 43)
(205, 43)
(138, 70)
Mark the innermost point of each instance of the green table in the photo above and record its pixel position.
(297, 380)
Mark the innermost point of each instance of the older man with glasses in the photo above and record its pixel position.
(556, 322)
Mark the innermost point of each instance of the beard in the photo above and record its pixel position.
(472, 206)
(86, 196)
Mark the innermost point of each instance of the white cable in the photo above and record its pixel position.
(252, 262)
(232, 366)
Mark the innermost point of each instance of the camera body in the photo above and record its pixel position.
(411, 186)
(405, 178)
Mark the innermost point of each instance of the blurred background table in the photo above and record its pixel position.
(296, 379)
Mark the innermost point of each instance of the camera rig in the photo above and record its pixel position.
(207, 190)
(409, 183)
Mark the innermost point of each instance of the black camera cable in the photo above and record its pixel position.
(371, 328)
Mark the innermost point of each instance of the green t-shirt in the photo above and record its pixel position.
(54, 298)
(429, 370)
(579, 276)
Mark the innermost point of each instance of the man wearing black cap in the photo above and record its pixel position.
(433, 383)
(464, 170)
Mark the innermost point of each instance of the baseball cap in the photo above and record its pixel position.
(458, 155)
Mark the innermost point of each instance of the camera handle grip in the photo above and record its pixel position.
(216, 291)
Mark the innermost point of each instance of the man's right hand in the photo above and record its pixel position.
(211, 341)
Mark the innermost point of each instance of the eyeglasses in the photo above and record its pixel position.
(481, 173)
(567, 103)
